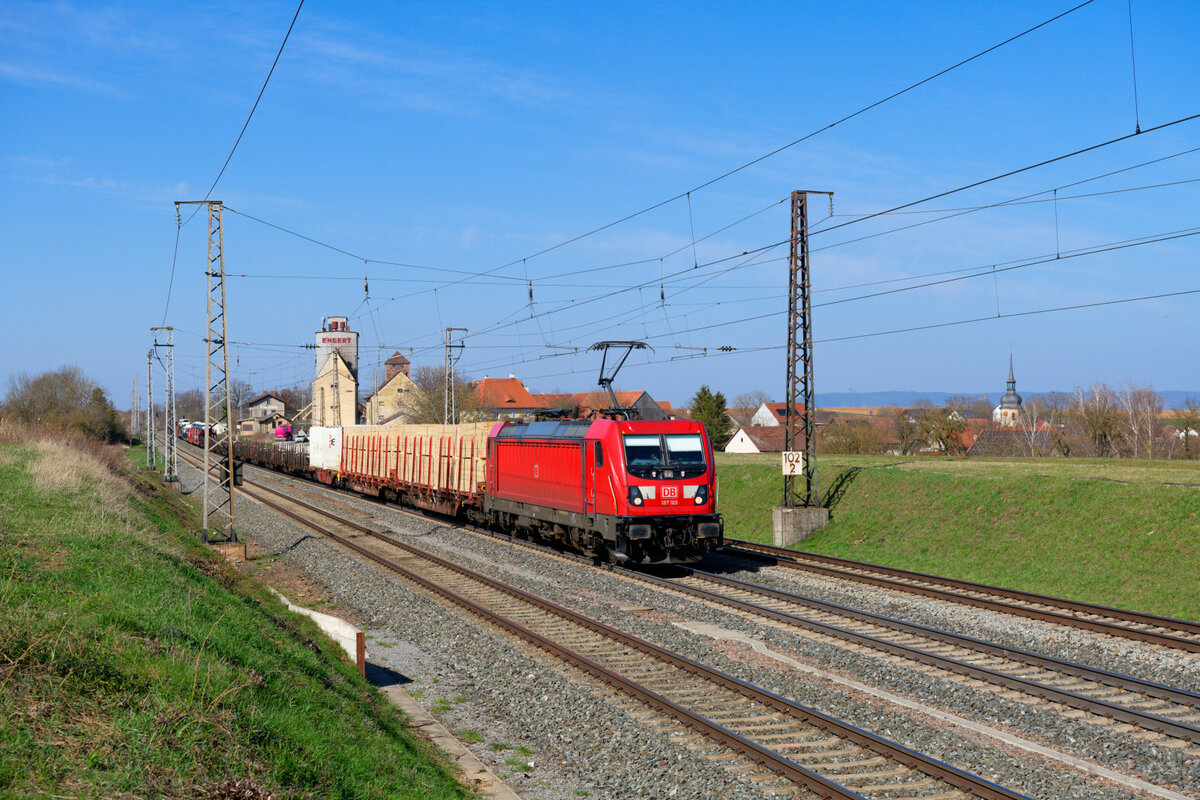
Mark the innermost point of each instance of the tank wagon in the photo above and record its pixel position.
(633, 491)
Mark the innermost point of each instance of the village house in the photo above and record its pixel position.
(263, 414)
(387, 404)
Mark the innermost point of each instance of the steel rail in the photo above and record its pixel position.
(1152, 722)
(722, 735)
(951, 775)
(719, 733)
(1145, 720)
(792, 559)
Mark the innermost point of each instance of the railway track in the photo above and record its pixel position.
(803, 747)
(1165, 632)
(1103, 694)
(1106, 695)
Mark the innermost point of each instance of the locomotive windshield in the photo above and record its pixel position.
(674, 455)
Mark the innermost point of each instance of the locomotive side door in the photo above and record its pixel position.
(589, 471)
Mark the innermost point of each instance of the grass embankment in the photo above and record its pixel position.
(135, 664)
(1055, 526)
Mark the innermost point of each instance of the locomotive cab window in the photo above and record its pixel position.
(675, 455)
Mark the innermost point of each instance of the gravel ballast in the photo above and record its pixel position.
(579, 743)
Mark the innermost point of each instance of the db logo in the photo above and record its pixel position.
(670, 492)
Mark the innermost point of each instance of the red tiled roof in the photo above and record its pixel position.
(503, 393)
(767, 438)
(591, 400)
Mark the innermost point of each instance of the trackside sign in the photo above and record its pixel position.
(793, 462)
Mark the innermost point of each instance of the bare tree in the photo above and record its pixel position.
(751, 399)
(240, 392)
(1098, 418)
(971, 406)
(296, 397)
(943, 428)
(1141, 410)
(426, 405)
(1054, 408)
(1187, 425)
(850, 437)
(908, 433)
(1044, 421)
(189, 404)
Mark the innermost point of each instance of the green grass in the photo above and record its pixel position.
(1064, 527)
(137, 457)
(470, 735)
(133, 663)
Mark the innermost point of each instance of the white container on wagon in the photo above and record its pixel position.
(325, 448)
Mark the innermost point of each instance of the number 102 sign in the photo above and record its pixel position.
(793, 462)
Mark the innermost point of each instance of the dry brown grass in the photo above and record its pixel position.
(68, 461)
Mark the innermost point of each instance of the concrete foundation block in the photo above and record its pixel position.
(232, 551)
(793, 524)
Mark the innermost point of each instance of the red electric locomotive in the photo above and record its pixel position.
(638, 491)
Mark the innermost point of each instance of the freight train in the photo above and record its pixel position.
(630, 491)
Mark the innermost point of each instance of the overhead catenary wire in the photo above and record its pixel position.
(746, 165)
(804, 138)
(945, 193)
(546, 281)
(740, 351)
(1018, 171)
(980, 272)
(1137, 114)
(537, 317)
(229, 157)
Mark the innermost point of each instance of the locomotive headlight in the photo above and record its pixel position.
(635, 495)
(701, 495)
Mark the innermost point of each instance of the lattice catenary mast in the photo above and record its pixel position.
(150, 409)
(800, 361)
(449, 412)
(171, 452)
(218, 416)
(134, 422)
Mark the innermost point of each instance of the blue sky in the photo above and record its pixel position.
(469, 138)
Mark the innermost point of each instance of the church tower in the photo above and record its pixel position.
(1008, 413)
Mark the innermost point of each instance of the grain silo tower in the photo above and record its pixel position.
(336, 336)
(335, 388)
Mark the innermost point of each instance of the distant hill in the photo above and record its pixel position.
(1171, 399)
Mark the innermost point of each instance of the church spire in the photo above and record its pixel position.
(1009, 410)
